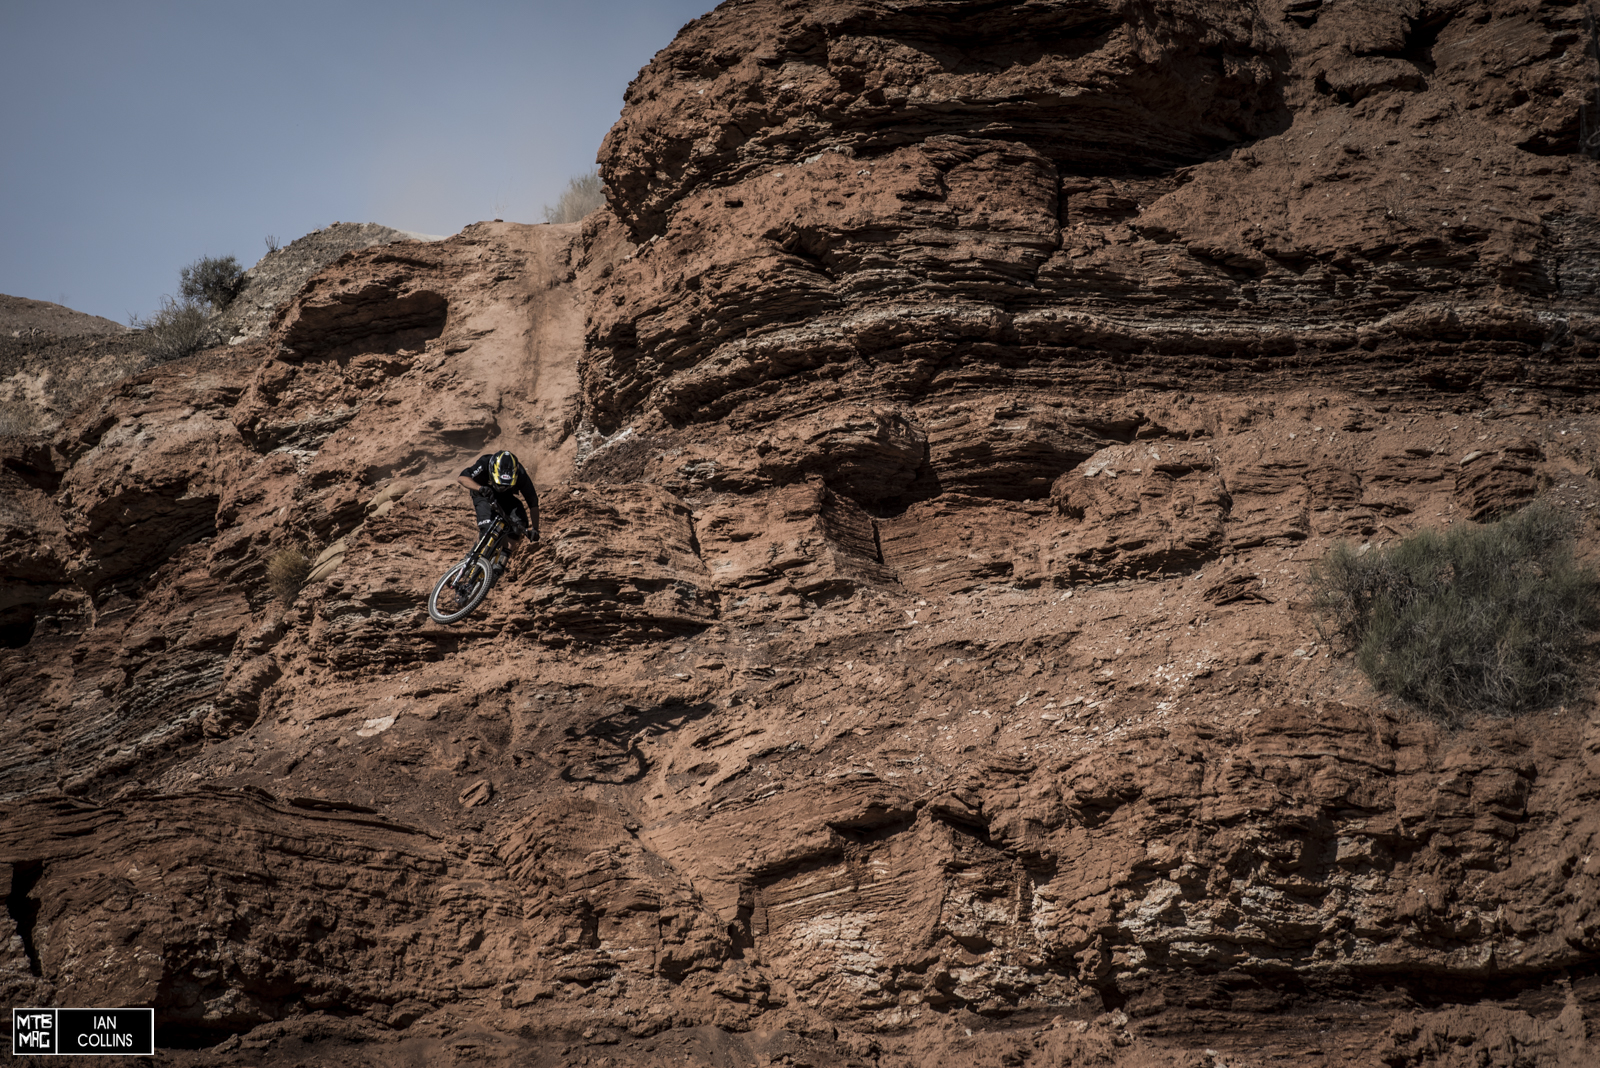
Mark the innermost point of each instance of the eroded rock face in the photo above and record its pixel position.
(933, 437)
(1093, 86)
(172, 498)
(278, 276)
(1020, 205)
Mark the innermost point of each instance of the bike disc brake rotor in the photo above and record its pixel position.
(464, 586)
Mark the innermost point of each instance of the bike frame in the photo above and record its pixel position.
(490, 541)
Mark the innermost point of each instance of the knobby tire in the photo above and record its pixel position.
(483, 582)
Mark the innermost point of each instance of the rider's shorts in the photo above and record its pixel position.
(514, 508)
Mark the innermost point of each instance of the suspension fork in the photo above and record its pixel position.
(487, 543)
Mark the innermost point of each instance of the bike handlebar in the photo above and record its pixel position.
(501, 512)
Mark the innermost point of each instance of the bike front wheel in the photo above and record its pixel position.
(472, 590)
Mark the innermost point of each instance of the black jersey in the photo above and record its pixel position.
(480, 472)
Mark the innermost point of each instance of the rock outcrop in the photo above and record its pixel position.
(909, 205)
(278, 275)
(934, 433)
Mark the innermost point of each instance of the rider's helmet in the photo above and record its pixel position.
(503, 469)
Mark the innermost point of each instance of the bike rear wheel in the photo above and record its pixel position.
(474, 590)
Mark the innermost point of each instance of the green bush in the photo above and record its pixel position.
(582, 195)
(212, 279)
(1488, 617)
(176, 329)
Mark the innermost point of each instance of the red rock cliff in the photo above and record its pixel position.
(933, 434)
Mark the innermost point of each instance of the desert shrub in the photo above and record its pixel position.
(582, 195)
(1488, 617)
(176, 329)
(287, 571)
(214, 280)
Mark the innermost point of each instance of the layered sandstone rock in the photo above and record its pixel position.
(934, 434)
(278, 275)
(914, 206)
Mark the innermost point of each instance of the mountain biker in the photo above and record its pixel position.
(495, 478)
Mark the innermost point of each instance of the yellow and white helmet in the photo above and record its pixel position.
(503, 470)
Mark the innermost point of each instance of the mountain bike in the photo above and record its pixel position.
(469, 582)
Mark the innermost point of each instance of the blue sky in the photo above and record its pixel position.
(136, 137)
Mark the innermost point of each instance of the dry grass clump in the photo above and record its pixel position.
(19, 417)
(582, 195)
(179, 327)
(1490, 617)
(287, 572)
(176, 330)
